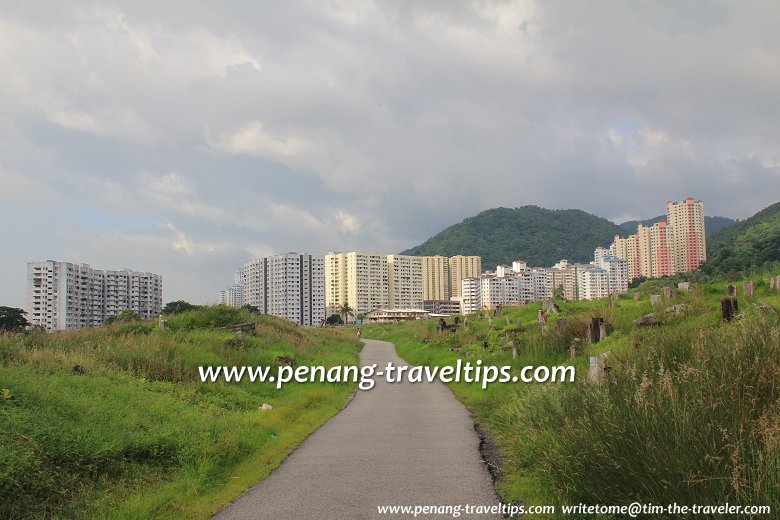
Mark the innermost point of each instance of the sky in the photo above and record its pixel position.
(185, 138)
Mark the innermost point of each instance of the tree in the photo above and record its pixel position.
(12, 319)
(251, 308)
(126, 316)
(346, 311)
(334, 319)
(360, 317)
(178, 306)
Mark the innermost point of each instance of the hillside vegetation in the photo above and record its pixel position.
(113, 422)
(749, 244)
(688, 413)
(539, 236)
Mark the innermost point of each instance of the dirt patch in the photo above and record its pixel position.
(490, 453)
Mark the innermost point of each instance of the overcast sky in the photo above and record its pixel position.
(185, 138)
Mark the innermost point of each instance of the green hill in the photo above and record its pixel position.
(711, 224)
(537, 235)
(746, 245)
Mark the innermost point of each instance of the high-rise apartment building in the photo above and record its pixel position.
(234, 295)
(63, 295)
(462, 267)
(674, 245)
(357, 279)
(690, 243)
(295, 288)
(254, 284)
(593, 283)
(404, 282)
(290, 286)
(436, 278)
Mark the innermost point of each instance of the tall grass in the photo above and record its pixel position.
(690, 416)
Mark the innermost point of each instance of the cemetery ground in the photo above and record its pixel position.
(113, 422)
(675, 404)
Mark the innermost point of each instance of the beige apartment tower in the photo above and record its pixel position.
(405, 281)
(462, 267)
(436, 278)
(357, 279)
(690, 245)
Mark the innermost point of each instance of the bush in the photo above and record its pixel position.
(208, 318)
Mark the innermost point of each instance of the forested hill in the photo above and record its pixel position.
(537, 235)
(750, 243)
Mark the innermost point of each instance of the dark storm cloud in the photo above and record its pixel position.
(185, 138)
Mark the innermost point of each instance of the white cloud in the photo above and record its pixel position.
(367, 125)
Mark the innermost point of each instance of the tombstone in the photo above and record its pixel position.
(637, 296)
(575, 348)
(541, 316)
(465, 323)
(595, 329)
(748, 289)
(683, 286)
(508, 321)
(603, 332)
(240, 335)
(514, 352)
(729, 307)
(598, 369)
(490, 322)
(774, 283)
(655, 300)
(731, 290)
(612, 304)
(667, 292)
(163, 323)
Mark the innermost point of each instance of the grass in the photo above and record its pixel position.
(113, 422)
(689, 412)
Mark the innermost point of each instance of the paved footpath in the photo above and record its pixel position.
(396, 444)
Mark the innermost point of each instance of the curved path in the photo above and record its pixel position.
(396, 444)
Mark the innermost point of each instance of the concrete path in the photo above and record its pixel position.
(396, 444)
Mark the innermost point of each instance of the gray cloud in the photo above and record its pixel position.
(185, 138)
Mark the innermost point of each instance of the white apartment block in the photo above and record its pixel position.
(519, 285)
(295, 288)
(499, 290)
(594, 283)
(290, 286)
(63, 295)
(254, 283)
(617, 274)
(405, 282)
(357, 279)
(471, 295)
(233, 296)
